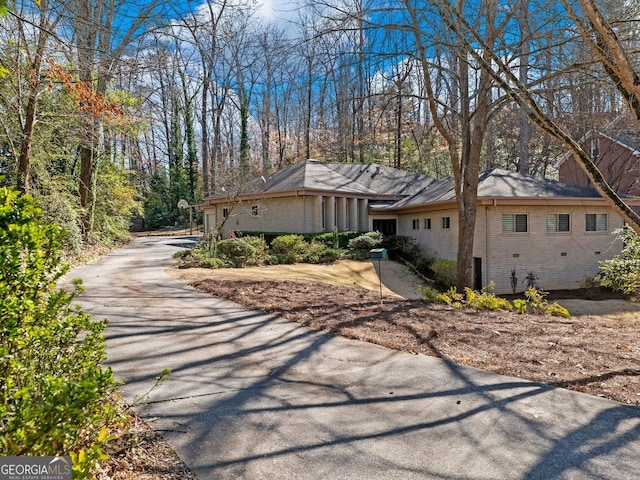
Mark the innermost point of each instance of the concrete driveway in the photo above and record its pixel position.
(255, 397)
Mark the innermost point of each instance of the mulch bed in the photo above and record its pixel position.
(590, 355)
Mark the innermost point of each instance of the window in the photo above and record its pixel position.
(427, 224)
(514, 223)
(446, 222)
(596, 222)
(225, 212)
(416, 224)
(558, 222)
(254, 210)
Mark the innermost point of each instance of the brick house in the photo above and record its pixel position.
(617, 156)
(525, 226)
(312, 197)
(554, 231)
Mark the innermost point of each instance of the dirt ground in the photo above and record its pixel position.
(596, 351)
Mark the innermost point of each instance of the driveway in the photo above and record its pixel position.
(254, 397)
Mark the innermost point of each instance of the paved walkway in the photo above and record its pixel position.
(254, 397)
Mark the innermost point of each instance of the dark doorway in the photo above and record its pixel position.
(477, 273)
(386, 227)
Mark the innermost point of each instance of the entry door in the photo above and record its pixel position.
(386, 227)
(477, 273)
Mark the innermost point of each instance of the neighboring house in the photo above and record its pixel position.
(313, 197)
(617, 156)
(552, 231)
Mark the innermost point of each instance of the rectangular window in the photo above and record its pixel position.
(446, 222)
(416, 224)
(427, 224)
(514, 223)
(558, 222)
(225, 212)
(254, 210)
(596, 222)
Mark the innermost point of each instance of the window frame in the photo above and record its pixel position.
(557, 224)
(427, 223)
(255, 212)
(415, 224)
(514, 223)
(446, 223)
(596, 216)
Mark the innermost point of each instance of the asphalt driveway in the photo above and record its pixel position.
(251, 396)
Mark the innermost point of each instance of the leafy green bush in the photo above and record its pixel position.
(363, 242)
(237, 252)
(534, 302)
(444, 272)
(53, 390)
(622, 272)
(289, 248)
(537, 303)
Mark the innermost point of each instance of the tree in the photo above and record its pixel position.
(461, 112)
(601, 38)
(98, 46)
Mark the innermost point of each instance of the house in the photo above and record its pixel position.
(525, 227)
(617, 156)
(312, 197)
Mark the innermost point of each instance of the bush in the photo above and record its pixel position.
(237, 252)
(364, 242)
(53, 392)
(622, 272)
(289, 248)
(444, 272)
(534, 302)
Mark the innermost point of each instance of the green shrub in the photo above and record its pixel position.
(485, 300)
(289, 248)
(236, 252)
(444, 272)
(622, 272)
(53, 394)
(363, 242)
(537, 303)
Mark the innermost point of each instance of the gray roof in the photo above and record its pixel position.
(500, 183)
(341, 178)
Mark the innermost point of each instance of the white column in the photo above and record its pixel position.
(330, 213)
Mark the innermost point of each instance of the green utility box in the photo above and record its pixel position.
(379, 254)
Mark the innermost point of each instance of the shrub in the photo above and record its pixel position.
(363, 242)
(289, 248)
(536, 303)
(622, 272)
(236, 252)
(53, 392)
(444, 272)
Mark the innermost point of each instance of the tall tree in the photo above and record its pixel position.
(610, 51)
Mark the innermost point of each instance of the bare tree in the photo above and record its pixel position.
(603, 41)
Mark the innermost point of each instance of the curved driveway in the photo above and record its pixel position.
(255, 397)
